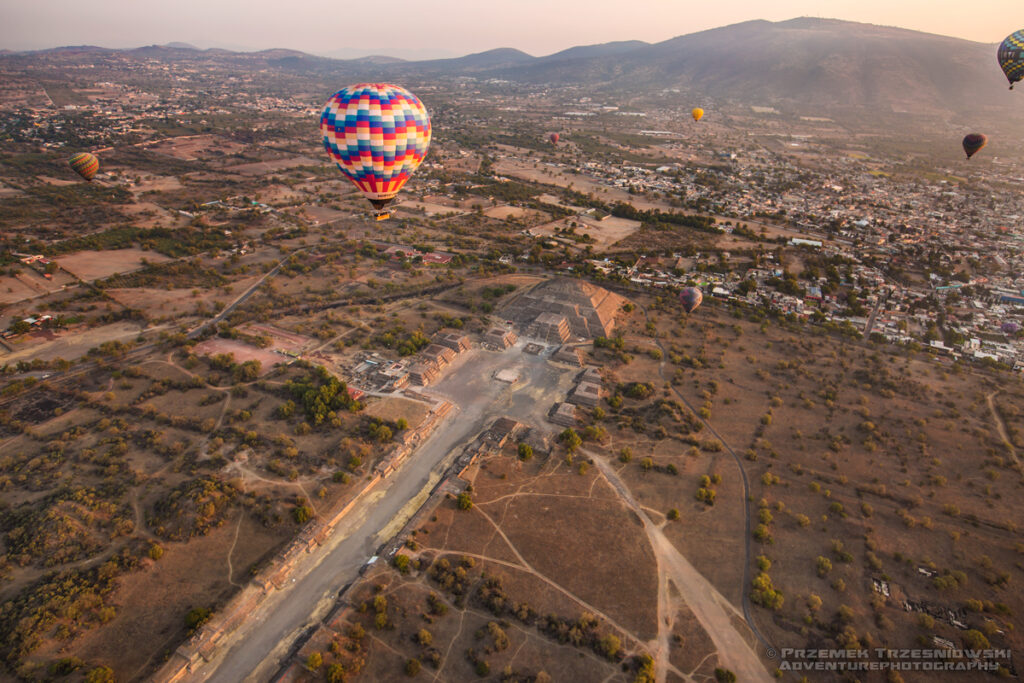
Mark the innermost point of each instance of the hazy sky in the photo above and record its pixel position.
(422, 28)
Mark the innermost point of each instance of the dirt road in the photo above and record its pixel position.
(716, 614)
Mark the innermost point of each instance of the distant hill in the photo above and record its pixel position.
(871, 75)
(500, 58)
(182, 46)
(808, 62)
(595, 51)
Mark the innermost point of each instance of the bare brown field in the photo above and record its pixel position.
(58, 182)
(155, 183)
(28, 284)
(192, 147)
(429, 209)
(886, 464)
(282, 339)
(394, 409)
(242, 352)
(323, 214)
(95, 265)
(262, 167)
(68, 344)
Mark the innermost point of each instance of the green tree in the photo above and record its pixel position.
(609, 646)
(571, 439)
(465, 501)
(525, 451)
(975, 640)
(412, 667)
(101, 674)
(196, 617)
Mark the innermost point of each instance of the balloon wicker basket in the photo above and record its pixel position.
(381, 215)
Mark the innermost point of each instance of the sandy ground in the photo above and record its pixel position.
(70, 344)
(605, 233)
(6, 191)
(280, 339)
(150, 183)
(393, 408)
(28, 284)
(192, 147)
(94, 265)
(429, 208)
(323, 214)
(242, 352)
(57, 181)
(262, 167)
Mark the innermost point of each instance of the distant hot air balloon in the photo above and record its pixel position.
(697, 114)
(377, 134)
(85, 165)
(690, 297)
(553, 138)
(1010, 327)
(1011, 57)
(973, 142)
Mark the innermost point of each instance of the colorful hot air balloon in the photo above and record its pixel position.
(85, 165)
(553, 138)
(1011, 57)
(974, 142)
(1010, 327)
(377, 134)
(697, 114)
(690, 297)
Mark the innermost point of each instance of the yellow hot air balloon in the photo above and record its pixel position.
(85, 165)
(697, 113)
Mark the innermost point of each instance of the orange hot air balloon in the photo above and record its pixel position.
(553, 138)
(697, 114)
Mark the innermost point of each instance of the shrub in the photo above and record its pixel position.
(412, 667)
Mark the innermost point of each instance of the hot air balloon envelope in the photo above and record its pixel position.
(697, 114)
(85, 165)
(377, 134)
(974, 142)
(1010, 327)
(553, 138)
(691, 297)
(1011, 57)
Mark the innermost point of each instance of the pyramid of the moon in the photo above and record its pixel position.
(588, 311)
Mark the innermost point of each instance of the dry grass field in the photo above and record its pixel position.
(95, 265)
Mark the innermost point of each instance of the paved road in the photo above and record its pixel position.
(257, 649)
(871, 318)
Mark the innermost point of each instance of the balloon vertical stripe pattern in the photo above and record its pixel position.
(85, 165)
(378, 135)
(1011, 57)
